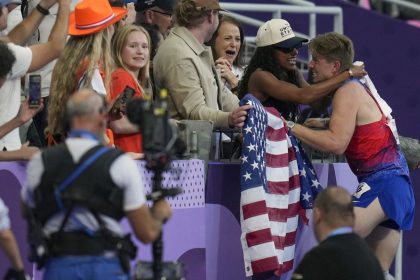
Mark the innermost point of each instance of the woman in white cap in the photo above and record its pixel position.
(86, 61)
(272, 75)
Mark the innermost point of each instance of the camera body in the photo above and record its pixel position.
(120, 104)
(160, 136)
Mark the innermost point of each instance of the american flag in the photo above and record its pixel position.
(277, 182)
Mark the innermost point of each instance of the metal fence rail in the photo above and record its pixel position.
(238, 10)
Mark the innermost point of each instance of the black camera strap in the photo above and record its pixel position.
(67, 182)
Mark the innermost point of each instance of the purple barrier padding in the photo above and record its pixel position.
(184, 231)
(224, 259)
(322, 171)
(222, 186)
(345, 178)
(185, 174)
(180, 237)
(206, 239)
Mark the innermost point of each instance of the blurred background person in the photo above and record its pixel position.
(227, 46)
(156, 12)
(28, 59)
(130, 50)
(155, 39)
(130, 18)
(14, 9)
(41, 36)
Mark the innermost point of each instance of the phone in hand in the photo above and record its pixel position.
(120, 104)
(34, 99)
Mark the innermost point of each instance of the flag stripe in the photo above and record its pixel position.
(263, 265)
(288, 240)
(254, 209)
(259, 237)
(283, 187)
(281, 215)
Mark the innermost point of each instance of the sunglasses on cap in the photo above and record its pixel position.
(287, 50)
(162, 13)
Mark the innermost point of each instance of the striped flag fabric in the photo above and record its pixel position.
(272, 171)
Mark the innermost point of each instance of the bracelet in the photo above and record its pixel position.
(326, 123)
(42, 10)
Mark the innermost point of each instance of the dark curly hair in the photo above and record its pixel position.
(7, 58)
(263, 58)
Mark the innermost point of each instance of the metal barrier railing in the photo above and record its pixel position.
(405, 4)
(238, 10)
(277, 10)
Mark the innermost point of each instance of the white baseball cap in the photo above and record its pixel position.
(279, 33)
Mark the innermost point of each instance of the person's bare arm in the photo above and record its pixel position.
(123, 126)
(301, 80)
(46, 52)
(25, 114)
(23, 31)
(24, 153)
(147, 223)
(266, 82)
(341, 127)
(9, 245)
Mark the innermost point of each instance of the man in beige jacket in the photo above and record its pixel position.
(185, 67)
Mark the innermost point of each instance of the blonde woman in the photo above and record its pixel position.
(131, 53)
(86, 61)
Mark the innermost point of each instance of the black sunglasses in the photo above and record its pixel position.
(285, 50)
(162, 13)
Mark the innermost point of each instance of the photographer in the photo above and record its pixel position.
(81, 223)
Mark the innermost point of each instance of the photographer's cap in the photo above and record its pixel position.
(278, 32)
(166, 5)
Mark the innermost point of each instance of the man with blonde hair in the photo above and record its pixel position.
(384, 201)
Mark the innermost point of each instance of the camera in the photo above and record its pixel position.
(160, 137)
(120, 104)
(160, 144)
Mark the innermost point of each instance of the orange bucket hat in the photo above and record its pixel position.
(91, 16)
